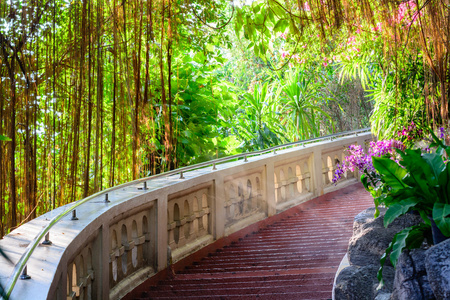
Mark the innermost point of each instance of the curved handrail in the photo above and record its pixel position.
(20, 265)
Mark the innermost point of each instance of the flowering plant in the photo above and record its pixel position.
(404, 179)
(362, 162)
(419, 182)
(411, 133)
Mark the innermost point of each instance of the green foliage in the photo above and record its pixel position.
(200, 99)
(360, 66)
(257, 122)
(398, 209)
(300, 96)
(409, 238)
(4, 138)
(398, 98)
(441, 215)
(418, 182)
(391, 173)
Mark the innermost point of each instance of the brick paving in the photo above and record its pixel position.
(293, 255)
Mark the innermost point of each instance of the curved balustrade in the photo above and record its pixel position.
(103, 246)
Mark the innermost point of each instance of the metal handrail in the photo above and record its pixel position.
(20, 265)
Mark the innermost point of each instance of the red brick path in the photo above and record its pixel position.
(293, 255)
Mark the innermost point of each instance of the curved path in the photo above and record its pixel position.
(293, 255)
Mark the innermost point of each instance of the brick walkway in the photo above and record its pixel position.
(293, 255)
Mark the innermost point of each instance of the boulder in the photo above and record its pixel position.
(383, 296)
(370, 238)
(437, 264)
(355, 282)
(364, 217)
(411, 281)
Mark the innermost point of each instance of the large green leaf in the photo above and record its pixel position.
(399, 243)
(435, 162)
(441, 213)
(398, 209)
(390, 171)
(4, 138)
(411, 237)
(281, 25)
(423, 172)
(383, 261)
(277, 9)
(443, 184)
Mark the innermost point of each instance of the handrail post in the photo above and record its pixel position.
(47, 239)
(74, 215)
(24, 275)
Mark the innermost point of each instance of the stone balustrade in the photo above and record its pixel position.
(114, 244)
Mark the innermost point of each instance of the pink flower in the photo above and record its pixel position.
(358, 31)
(351, 40)
(284, 34)
(284, 54)
(378, 27)
(306, 7)
(403, 11)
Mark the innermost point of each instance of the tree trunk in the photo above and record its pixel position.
(167, 144)
(169, 83)
(88, 146)
(12, 151)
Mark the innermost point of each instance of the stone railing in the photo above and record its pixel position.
(103, 246)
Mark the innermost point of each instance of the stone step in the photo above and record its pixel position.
(254, 283)
(239, 290)
(306, 295)
(294, 258)
(217, 259)
(222, 279)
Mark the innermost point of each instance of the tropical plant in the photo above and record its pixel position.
(258, 120)
(301, 96)
(199, 99)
